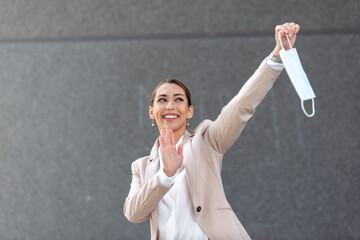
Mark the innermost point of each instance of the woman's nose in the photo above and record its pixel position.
(170, 105)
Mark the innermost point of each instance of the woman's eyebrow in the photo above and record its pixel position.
(175, 94)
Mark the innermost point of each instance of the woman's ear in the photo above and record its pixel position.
(151, 112)
(190, 112)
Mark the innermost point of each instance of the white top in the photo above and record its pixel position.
(176, 211)
(176, 215)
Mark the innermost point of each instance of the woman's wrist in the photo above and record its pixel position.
(164, 179)
(274, 58)
(169, 173)
(275, 52)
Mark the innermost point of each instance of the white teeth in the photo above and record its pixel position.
(170, 116)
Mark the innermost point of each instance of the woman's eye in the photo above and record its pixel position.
(162, 100)
(179, 99)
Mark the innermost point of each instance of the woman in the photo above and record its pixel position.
(179, 185)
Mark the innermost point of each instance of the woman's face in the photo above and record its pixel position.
(170, 108)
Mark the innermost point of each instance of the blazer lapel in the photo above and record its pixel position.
(189, 162)
(153, 163)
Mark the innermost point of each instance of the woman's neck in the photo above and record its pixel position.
(178, 136)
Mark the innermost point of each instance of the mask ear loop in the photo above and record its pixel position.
(287, 39)
(313, 108)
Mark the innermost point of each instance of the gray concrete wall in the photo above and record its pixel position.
(75, 82)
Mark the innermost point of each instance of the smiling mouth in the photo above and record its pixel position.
(170, 116)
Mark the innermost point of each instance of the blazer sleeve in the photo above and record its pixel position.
(142, 198)
(224, 131)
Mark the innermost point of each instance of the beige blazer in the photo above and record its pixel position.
(203, 152)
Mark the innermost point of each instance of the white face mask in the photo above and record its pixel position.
(298, 77)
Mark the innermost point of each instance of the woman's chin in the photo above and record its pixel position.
(172, 126)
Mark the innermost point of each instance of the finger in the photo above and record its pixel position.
(284, 30)
(163, 137)
(166, 136)
(288, 28)
(180, 148)
(292, 25)
(172, 137)
(297, 28)
(293, 28)
(278, 30)
(161, 140)
(162, 132)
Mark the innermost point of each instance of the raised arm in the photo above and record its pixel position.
(224, 131)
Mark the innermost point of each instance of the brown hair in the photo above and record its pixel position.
(174, 81)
